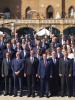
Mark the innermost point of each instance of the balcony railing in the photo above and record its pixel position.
(39, 21)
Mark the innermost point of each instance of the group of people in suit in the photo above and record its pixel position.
(45, 66)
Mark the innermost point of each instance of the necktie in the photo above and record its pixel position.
(17, 60)
(65, 60)
(14, 46)
(8, 61)
(58, 55)
(8, 50)
(18, 49)
(54, 60)
(1, 43)
(24, 53)
(45, 63)
(32, 59)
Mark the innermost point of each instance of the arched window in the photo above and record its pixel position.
(26, 30)
(49, 12)
(27, 13)
(69, 31)
(53, 30)
(71, 11)
(7, 13)
(6, 31)
(6, 10)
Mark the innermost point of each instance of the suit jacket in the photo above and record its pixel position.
(22, 54)
(65, 70)
(44, 70)
(11, 51)
(55, 68)
(6, 68)
(73, 62)
(2, 47)
(55, 45)
(16, 49)
(31, 68)
(17, 65)
(36, 49)
(1, 55)
(61, 55)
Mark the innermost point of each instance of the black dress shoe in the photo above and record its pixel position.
(47, 96)
(33, 95)
(41, 95)
(69, 96)
(10, 94)
(51, 95)
(20, 95)
(29, 95)
(73, 95)
(15, 95)
(5, 94)
(62, 95)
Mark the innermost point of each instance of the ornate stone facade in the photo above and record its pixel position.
(38, 14)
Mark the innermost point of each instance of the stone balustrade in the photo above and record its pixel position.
(40, 21)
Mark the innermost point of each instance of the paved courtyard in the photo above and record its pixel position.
(36, 98)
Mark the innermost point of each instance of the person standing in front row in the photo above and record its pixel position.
(7, 73)
(65, 73)
(30, 71)
(44, 75)
(73, 61)
(55, 74)
(17, 68)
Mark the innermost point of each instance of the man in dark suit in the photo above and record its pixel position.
(17, 68)
(65, 73)
(30, 71)
(13, 43)
(8, 49)
(73, 61)
(2, 47)
(7, 73)
(24, 52)
(55, 73)
(44, 75)
(54, 44)
(18, 47)
(59, 53)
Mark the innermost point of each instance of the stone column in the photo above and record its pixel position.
(63, 8)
